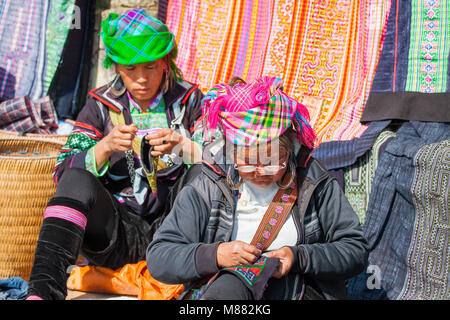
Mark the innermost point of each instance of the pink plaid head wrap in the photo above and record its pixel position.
(255, 112)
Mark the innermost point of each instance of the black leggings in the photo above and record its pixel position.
(114, 234)
(102, 207)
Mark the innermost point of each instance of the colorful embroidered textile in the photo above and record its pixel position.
(255, 112)
(155, 116)
(428, 262)
(326, 52)
(82, 138)
(26, 116)
(254, 276)
(22, 49)
(135, 37)
(395, 217)
(359, 176)
(412, 81)
(33, 36)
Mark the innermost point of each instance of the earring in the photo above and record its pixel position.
(230, 182)
(292, 172)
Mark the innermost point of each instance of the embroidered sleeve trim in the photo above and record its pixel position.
(91, 163)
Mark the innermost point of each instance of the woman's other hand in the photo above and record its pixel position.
(286, 260)
(164, 140)
(236, 253)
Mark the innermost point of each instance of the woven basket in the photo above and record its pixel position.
(26, 186)
(58, 137)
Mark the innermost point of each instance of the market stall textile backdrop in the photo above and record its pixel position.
(28, 59)
(326, 52)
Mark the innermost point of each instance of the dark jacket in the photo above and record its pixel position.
(330, 248)
(94, 122)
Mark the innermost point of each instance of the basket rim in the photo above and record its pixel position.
(37, 139)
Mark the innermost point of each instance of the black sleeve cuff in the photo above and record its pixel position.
(206, 258)
(300, 259)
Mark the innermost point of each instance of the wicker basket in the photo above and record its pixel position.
(26, 186)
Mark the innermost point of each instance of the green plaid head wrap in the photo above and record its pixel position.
(135, 37)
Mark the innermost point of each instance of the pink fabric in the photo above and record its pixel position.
(255, 112)
(66, 213)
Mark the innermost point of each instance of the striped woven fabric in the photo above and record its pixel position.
(326, 52)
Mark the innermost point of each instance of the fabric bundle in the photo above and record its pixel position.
(26, 116)
(326, 53)
(255, 112)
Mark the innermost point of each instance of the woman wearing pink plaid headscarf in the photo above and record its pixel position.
(260, 218)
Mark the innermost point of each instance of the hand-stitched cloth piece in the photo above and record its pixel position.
(62, 18)
(406, 250)
(254, 276)
(428, 262)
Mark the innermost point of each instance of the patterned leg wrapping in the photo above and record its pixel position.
(57, 248)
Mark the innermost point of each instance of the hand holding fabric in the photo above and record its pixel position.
(120, 139)
(164, 141)
(236, 253)
(286, 260)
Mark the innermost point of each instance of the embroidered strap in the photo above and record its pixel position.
(275, 216)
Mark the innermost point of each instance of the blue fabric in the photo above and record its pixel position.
(340, 154)
(14, 288)
(391, 214)
(357, 289)
(384, 76)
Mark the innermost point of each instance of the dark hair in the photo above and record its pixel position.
(235, 80)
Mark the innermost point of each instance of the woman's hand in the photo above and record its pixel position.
(119, 139)
(235, 253)
(164, 140)
(286, 260)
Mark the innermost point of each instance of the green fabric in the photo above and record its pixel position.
(135, 37)
(154, 118)
(58, 26)
(91, 163)
(359, 176)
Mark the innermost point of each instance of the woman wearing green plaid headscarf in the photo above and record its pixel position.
(105, 204)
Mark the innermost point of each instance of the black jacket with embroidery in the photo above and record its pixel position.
(330, 246)
(94, 122)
